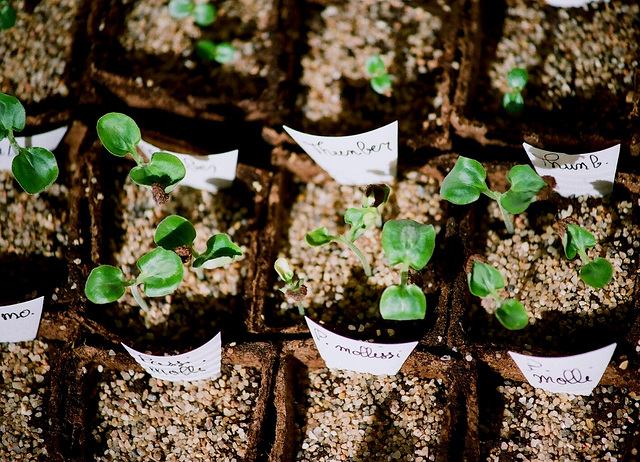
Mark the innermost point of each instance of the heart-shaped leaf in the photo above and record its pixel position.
(174, 231)
(105, 284)
(35, 169)
(12, 113)
(403, 303)
(163, 168)
(576, 239)
(220, 251)
(597, 273)
(318, 237)
(119, 133)
(161, 272)
(484, 279)
(525, 184)
(512, 315)
(407, 241)
(465, 182)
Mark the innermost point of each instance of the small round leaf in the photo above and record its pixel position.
(318, 237)
(484, 279)
(517, 78)
(375, 66)
(35, 169)
(174, 231)
(284, 270)
(180, 9)
(119, 133)
(7, 16)
(576, 239)
(381, 83)
(408, 241)
(525, 184)
(204, 14)
(105, 284)
(161, 272)
(597, 273)
(220, 251)
(403, 303)
(512, 315)
(12, 113)
(465, 182)
(513, 102)
(163, 168)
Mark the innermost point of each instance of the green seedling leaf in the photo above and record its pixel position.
(407, 241)
(163, 168)
(119, 133)
(484, 279)
(513, 102)
(35, 169)
(512, 315)
(403, 303)
(174, 231)
(465, 182)
(105, 284)
(7, 15)
(284, 270)
(525, 184)
(597, 273)
(517, 78)
(360, 220)
(180, 9)
(220, 251)
(204, 14)
(576, 240)
(12, 114)
(222, 53)
(381, 83)
(318, 237)
(375, 66)
(161, 272)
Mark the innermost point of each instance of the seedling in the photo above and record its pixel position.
(176, 233)
(380, 79)
(484, 280)
(203, 13)
(294, 290)
(223, 52)
(160, 274)
(120, 135)
(34, 168)
(513, 101)
(7, 15)
(467, 180)
(576, 241)
(360, 220)
(410, 244)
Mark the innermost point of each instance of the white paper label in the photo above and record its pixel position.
(363, 159)
(49, 140)
(204, 362)
(577, 374)
(20, 322)
(569, 3)
(590, 174)
(354, 355)
(207, 173)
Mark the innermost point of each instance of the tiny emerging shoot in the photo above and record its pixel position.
(576, 240)
(160, 274)
(203, 13)
(222, 53)
(410, 244)
(176, 233)
(467, 181)
(380, 79)
(360, 220)
(120, 135)
(484, 280)
(294, 289)
(34, 168)
(513, 101)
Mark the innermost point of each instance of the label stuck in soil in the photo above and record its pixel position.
(590, 174)
(207, 173)
(202, 363)
(49, 140)
(20, 322)
(355, 355)
(577, 374)
(363, 159)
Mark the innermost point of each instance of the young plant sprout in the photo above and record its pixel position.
(410, 244)
(360, 220)
(576, 241)
(223, 52)
(34, 168)
(160, 274)
(203, 13)
(467, 181)
(513, 101)
(484, 280)
(294, 290)
(7, 15)
(176, 233)
(120, 135)
(380, 79)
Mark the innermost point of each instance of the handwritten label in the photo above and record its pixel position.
(20, 322)
(590, 174)
(577, 374)
(204, 362)
(363, 159)
(354, 355)
(49, 140)
(207, 173)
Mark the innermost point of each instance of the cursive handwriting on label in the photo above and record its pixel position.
(12, 315)
(366, 352)
(552, 160)
(362, 149)
(20, 322)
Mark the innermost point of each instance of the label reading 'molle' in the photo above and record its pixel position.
(20, 322)
(354, 355)
(49, 140)
(363, 159)
(202, 363)
(578, 374)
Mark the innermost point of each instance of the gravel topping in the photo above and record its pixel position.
(24, 369)
(37, 50)
(339, 291)
(541, 426)
(537, 272)
(345, 415)
(142, 418)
